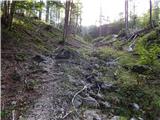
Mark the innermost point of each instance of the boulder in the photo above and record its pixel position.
(115, 118)
(104, 105)
(97, 96)
(77, 101)
(133, 118)
(63, 53)
(158, 56)
(90, 78)
(39, 58)
(16, 76)
(89, 101)
(134, 106)
(106, 86)
(91, 115)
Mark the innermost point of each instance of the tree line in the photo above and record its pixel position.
(67, 15)
(64, 15)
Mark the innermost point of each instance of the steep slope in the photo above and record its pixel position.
(29, 43)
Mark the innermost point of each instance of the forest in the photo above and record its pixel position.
(80, 60)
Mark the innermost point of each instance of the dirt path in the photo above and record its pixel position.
(51, 105)
(57, 86)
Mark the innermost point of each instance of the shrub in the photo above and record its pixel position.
(107, 52)
(148, 49)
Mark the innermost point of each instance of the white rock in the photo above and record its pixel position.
(115, 118)
(91, 115)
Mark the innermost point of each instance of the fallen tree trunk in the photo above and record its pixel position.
(139, 32)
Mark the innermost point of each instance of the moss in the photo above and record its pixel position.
(21, 56)
(145, 97)
(118, 44)
(109, 37)
(107, 52)
(98, 39)
(3, 114)
(126, 77)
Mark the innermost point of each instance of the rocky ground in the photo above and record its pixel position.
(44, 81)
(67, 87)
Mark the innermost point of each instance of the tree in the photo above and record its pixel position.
(66, 20)
(8, 12)
(40, 10)
(156, 11)
(150, 14)
(47, 11)
(133, 16)
(75, 17)
(126, 17)
(53, 9)
(100, 19)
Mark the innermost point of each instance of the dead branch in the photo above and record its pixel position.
(85, 87)
(13, 115)
(67, 114)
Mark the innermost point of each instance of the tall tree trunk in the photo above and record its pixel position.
(4, 15)
(40, 15)
(66, 21)
(40, 12)
(8, 12)
(150, 14)
(71, 18)
(58, 22)
(47, 11)
(126, 17)
(100, 19)
(12, 11)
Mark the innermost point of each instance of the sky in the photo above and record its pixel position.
(110, 9)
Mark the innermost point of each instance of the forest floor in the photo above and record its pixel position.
(42, 80)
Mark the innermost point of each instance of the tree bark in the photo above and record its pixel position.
(12, 11)
(8, 12)
(126, 17)
(150, 14)
(40, 12)
(5, 13)
(66, 22)
(47, 11)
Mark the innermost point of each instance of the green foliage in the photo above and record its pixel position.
(21, 57)
(98, 39)
(122, 33)
(108, 52)
(144, 96)
(126, 77)
(22, 23)
(157, 102)
(30, 85)
(148, 49)
(38, 41)
(118, 44)
(29, 5)
(108, 37)
(143, 21)
(58, 4)
(3, 113)
(87, 38)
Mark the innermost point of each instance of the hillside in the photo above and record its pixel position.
(80, 60)
(43, 80)
(29, 43)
